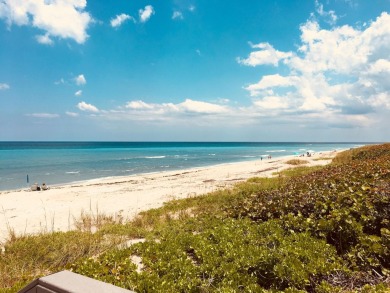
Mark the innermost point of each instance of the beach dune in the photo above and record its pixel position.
(28, 212)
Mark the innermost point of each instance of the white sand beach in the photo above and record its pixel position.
(27, 211)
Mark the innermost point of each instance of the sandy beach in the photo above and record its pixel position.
(27, 211)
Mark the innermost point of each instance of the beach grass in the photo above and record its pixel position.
(308, 229)
(297, 162)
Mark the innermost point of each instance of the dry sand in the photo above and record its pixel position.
(27, 211)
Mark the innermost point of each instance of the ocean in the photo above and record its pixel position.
(55, 163)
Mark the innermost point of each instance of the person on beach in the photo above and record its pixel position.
(35, 187)
(44, 186)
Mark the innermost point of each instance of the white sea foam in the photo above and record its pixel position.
(275, 151)
(155, 157)
(72, 172)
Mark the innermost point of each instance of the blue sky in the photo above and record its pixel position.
(195, 70)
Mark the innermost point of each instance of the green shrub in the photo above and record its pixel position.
(346, 204)
(234, 254)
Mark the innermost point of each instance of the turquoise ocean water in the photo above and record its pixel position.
(65, 162)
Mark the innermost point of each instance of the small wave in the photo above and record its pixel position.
(211, 154)
(73, 172)
(302, 149)
(276, 151)
(155, 157)
(249, 156)
(127, 159)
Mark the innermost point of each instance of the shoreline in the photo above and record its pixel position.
(29, 212)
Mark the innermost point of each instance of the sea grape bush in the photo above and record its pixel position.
(235, 254)
(347, 204)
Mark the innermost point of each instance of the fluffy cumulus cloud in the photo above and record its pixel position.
(80, 80)
(272, 102)
(65, 19)
(4, 86)
(270, 81)
(120, 19)
(78, 93)
(337, 74)
(44, 39)
(83, 106)
(266, 55)
(188, 106)
(329, 16)
(146, 13)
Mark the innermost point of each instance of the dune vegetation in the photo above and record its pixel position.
(322, 229)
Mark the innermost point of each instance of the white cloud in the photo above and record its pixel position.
(266, 55)
(120, 19)
(139, 105)
(330, 16)
(66, 19)
(44, 39)
(146, 13)
(201, 107)
(78, 93)
(380, 66)
(177, 15)
(60, 81)
(80, 80)
(4, 86)
(188, 106)
(44, 115)
(272, 102)
(337, 75)
(72, 114)
(192, 8)
(269, 81)
(83, 106)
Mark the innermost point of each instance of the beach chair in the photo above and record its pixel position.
(66, 282)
